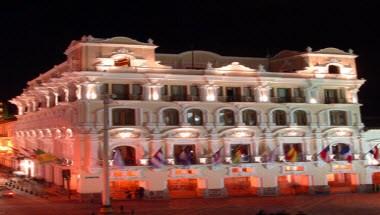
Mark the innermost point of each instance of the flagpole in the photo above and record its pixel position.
(106, 200)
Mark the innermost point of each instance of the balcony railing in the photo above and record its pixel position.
(288, 99)
(135, 97)
(332, 100)
(193, 98)
(247, 99)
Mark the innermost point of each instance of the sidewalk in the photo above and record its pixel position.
(41, 189)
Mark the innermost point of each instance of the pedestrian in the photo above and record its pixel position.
(140, 192)
(128, 194)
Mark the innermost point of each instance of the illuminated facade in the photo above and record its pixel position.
(268, 118)
(7, 157)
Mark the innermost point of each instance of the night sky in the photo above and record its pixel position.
(35, 35)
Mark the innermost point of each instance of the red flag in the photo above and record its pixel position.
(324, 154)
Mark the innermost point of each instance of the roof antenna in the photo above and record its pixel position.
(192, 56)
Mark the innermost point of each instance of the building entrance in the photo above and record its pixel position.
(293, 184)
(183, 188)
(242, 186)
(123, 189)
(342, 182)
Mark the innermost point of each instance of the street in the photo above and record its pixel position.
(345, 204)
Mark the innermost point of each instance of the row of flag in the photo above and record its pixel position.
(292, 155)
(38, 154)
(185, 157)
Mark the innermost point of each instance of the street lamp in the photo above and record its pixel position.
(106, 201)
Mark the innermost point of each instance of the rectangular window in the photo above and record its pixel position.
(240, 153)
(120, 91)
(293, 152)
(194, 91)
(298, 92)
(220, 91)
(247, 91)
(338, 118)
(184, 154)
(233, 94)
(104, 89)
(178, 92)
(136, 89)
(164, 90)
(331, 96)
(284, 94)
(123, 117)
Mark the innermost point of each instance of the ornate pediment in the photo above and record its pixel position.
(234, 66)
(339, 133)
(331, 50)
(290, 133)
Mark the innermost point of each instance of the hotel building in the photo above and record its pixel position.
(267, 118)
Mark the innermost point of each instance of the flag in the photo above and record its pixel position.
(117, 159)
(292, 154)
(184, 157)
(375, 152)
(44, 157)
(346, 153)
(217, 157)
(324, 154)
(158, 159)
(270, 155)
(236, 155)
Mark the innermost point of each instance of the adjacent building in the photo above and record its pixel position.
(226, 126)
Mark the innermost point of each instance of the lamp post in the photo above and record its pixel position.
(106, 201)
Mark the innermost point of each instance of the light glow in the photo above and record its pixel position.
(144, 161)
(313, 101)
(203, 160)
(264, 98)
(91, 92)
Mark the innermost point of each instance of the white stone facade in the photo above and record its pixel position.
(304, 101)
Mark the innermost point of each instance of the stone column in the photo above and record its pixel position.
(152, 92)
(262, 93)
(67, 93)
(209, 92)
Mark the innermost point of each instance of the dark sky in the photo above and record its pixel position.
(35, 35)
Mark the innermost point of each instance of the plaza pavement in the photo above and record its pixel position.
(344, 204)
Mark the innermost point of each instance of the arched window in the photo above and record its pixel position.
(334, 69)
(342, 151)
(171, 117)
(123, 117)
(124, 156)
(338, 117)
(300, 117)
(279, 117)
(195, 117)
(185, 154)
(125, 61)
(226, 117)
(249, 117)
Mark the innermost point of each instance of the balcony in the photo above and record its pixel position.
(193, 98)
(247, 99)
(288, 99)
(332, 100)
(135, 97)
(180, 98)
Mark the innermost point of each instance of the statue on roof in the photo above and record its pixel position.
(150, 41)
(209, 65)
(309, 49)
